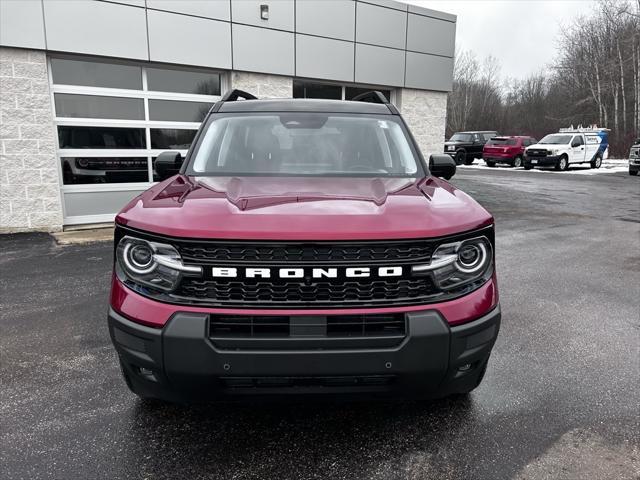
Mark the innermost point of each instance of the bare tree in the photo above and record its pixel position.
(594, 79)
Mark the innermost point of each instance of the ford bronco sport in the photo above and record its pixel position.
(303, 246)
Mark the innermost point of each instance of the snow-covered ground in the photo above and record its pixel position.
(611, 165)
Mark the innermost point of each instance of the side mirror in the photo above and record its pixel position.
(442, 166)
(168, 164)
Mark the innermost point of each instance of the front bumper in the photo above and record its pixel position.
(180, 362)
(493, 157)
(548, 161)
(634, 165)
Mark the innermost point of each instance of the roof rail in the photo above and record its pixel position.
(233, 95)
(374, 96)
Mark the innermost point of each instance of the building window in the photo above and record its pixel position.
(316, 90)
(183, 81)
(96, 74)
(306, 89)
(114, 118)
(352, 92)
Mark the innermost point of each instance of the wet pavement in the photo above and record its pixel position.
(560, 399)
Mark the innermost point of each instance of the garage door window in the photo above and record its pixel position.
(113, 118)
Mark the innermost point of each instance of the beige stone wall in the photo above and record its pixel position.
(29, 181)
(262, 85)
(426, 113)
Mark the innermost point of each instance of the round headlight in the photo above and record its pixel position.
(471, 257)
(138, 258)
(82, 162)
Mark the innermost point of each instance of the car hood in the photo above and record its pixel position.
(297, 208)
(546, 146)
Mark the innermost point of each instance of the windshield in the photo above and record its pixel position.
(502, 141)
(556, 139)
(461, 137)
(301, 144)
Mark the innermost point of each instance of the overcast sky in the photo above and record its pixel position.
(521, 33)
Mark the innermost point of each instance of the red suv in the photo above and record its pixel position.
(509, 150)
(303, 246)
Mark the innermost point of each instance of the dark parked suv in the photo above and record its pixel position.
(303, 246)
(634, 158)
(465, 147)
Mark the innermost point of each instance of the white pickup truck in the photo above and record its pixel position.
(570, 146)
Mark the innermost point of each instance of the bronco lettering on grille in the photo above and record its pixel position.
(349, 272)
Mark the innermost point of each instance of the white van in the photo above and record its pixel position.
(569, 146)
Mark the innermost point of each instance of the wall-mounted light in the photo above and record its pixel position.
(264, 12)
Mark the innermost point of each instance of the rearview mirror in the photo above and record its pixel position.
(442, 166)
(168, 164)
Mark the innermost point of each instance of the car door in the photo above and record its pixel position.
(577, 149)
(477, 145)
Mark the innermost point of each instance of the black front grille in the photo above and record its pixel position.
(282, 326)
(312, 290)
(276, 252)
(332, 292)
(536, 153)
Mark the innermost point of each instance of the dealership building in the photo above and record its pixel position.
(92, 91)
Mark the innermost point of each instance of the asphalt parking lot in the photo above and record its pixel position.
(560, 399)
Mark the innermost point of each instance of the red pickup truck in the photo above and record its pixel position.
(509, 150)
(303, 247)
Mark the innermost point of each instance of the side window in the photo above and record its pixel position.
(476, 137)
(577, 141)
(488, 136)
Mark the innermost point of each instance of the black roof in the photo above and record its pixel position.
(304, 105)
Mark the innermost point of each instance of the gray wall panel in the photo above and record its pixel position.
(21, 24)
(97, 28)
(378, 65)
(429, 72)
(175, 38)
(432, 13)
(219, 10)
(194, 32)
(133, 3)
(380, 26)
(430, 35)
(324, 58)
(388, 4)
(262, 50)
(327, 18)
(281, 14)
(96, 203)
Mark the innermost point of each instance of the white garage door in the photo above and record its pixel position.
(113, 119)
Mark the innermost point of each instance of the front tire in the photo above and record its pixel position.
(490, 164)
(460, 158)
(563, 164)
(633, 172)
(527, 166)
(517, 162)
(597, 162)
